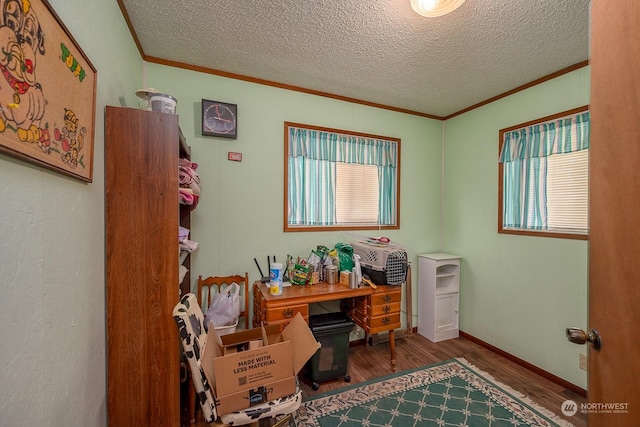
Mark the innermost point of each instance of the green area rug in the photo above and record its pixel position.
(451, 393)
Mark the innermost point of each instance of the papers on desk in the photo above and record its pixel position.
(284, 284)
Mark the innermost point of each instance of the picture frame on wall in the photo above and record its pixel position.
(47, 93)
(219, 119)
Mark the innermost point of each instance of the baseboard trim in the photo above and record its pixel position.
(548, 375)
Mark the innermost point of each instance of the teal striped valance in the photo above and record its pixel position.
(337, 147)
(564, 135)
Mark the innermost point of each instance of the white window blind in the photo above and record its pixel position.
(568, 192)
(357, 194)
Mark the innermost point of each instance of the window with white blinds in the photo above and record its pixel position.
(357, 194)
(543, 184)
(340, 180)
(568, 192)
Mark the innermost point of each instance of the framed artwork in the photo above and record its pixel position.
(219, 119)
(47, 91)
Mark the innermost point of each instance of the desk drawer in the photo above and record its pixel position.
(387, 297)
(287, 313)
(378, 310)
(384, 323)
(391, 305)
(375, 324)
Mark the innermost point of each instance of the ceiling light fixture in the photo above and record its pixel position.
(433, 8)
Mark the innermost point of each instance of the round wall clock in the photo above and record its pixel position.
(219, 119)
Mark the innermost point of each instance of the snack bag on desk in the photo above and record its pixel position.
(300, 274)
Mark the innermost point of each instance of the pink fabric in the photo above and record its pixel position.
(188, 163)
(189, 180)
(186, 196)
(188, 177)
(196, 198)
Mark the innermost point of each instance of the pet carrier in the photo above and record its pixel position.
(384, 263)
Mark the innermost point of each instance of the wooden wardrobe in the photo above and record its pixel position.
(142, 217)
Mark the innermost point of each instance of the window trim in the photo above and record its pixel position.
(306, 228)
(541, 233)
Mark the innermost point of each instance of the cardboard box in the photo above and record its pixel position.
(345, 277)
(256, 365)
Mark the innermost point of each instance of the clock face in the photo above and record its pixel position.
(219, 119)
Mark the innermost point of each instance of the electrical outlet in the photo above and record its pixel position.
(583, 361)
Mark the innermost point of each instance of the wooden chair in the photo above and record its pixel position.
(206, 288)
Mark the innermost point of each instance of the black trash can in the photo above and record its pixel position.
(332, 331)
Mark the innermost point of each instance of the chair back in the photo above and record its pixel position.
(190, 320)
(209, 286)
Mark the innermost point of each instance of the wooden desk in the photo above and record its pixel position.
(374, 310)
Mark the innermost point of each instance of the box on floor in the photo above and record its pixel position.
(256, 365)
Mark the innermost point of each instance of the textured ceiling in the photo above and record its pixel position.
(375, 51)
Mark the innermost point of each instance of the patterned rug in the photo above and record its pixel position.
(452, 393)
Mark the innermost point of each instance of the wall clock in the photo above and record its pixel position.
(219, 119)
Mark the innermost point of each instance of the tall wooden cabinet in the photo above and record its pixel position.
(142, 259)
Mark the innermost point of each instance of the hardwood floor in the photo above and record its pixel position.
(366, 363)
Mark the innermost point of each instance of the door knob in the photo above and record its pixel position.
(578, 336)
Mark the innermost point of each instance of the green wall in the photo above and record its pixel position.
(240, 213)
(518, 293)
(52, 295)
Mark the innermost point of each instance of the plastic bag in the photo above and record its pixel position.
(345, 256)
(225, 307)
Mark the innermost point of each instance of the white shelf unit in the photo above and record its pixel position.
(438, 296)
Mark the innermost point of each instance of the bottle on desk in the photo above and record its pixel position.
(275, 278)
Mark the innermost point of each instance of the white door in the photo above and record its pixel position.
(446, 312)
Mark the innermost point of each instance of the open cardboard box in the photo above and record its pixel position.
(256, 365)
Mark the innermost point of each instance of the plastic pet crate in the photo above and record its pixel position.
(385, 264)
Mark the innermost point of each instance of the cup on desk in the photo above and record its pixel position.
(275, 278)
(331, 274)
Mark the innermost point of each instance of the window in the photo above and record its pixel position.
(340, 180)
(543, 177)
